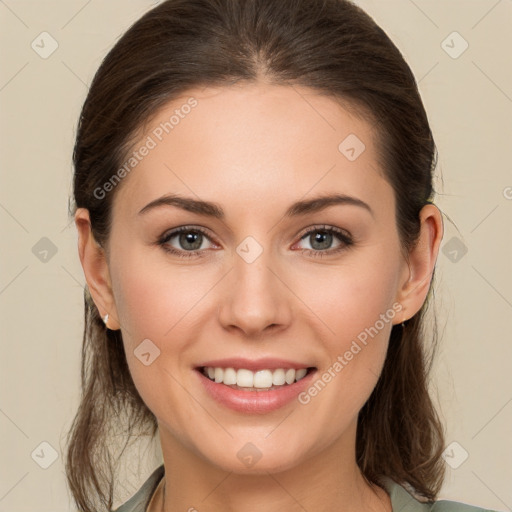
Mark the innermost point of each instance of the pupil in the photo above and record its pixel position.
(324, 238)
(191, 237)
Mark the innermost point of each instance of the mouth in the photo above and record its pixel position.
(254, 386)
(265, 379)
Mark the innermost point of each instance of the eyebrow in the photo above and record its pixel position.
(214, 210)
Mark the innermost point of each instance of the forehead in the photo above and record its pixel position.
(251, 145)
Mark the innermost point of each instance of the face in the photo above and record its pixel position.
(268, 284)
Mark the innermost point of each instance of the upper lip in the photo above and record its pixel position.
(265, 363)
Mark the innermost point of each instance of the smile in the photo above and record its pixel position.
(261, 391)
(261, 380)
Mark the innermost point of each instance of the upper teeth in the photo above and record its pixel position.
(260, 379)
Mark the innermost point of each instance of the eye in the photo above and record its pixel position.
(190, 241)
(321, 239)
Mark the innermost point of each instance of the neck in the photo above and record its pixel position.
(329, 480)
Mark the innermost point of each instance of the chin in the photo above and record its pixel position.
(255, 458)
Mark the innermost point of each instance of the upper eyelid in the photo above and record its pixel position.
(170, 233)
(323, 227)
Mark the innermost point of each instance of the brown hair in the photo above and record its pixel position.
(333, 47)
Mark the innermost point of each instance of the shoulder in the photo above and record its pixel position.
(140, 500)
(455, 506)
(402, 500)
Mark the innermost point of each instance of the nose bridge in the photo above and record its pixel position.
(254, 298)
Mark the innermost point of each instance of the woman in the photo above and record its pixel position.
(253, 190)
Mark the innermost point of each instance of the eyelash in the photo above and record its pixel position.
(342, 235)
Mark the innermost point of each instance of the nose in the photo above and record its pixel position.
(254, 299)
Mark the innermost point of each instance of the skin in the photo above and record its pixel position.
(254, 150)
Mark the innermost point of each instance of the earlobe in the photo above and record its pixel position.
(95, 267)
(421, 262)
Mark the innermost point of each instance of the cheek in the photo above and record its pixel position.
(350, 298)
(152, 298)
(155, 307)
(356, 309)
(164, 304)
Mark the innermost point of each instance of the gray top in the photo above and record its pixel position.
(401, 500)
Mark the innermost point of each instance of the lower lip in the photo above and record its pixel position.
(254, 402)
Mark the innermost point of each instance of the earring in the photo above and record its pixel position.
(403, 324)
(105, 320)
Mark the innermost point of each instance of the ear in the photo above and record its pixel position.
(95, 266)
(421, 262)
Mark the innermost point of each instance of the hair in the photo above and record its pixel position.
(334, 48)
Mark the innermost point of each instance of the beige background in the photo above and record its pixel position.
(469, 102)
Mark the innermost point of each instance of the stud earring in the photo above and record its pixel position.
(105, 319)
